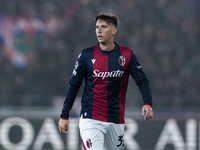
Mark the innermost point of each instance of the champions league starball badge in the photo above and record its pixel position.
(121, 60)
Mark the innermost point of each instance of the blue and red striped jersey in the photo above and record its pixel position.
(106, 75)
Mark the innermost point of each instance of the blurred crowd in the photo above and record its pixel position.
(41, 39)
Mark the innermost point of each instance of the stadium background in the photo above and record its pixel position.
(40, 41)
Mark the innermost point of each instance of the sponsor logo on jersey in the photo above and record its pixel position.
(103, 75)
(121, 60)
(93, 60)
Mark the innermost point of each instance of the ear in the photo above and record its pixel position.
(114, 31)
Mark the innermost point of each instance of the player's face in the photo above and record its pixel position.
(105, 32)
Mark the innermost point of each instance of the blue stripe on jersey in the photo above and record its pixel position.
(87, 100)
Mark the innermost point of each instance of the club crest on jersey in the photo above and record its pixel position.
(89, 143)
(121, 60)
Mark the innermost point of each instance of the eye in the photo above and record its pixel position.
(104, 26)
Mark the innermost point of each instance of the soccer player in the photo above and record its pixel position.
(105, 68)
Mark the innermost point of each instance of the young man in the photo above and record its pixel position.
(106, 68)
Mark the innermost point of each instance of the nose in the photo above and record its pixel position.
(98, 30)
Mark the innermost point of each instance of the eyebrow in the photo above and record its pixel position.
(103, 25)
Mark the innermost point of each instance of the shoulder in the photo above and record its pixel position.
(89, 49)
(86, 52)
(125, 49)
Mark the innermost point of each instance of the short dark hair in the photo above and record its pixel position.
(108, 18)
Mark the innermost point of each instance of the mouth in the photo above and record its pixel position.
(99, 37)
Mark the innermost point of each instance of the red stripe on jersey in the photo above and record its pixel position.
(126, 53)
(100, 86)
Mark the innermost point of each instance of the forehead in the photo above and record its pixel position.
(101, 22)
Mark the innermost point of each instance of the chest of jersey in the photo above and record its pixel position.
(107, 65)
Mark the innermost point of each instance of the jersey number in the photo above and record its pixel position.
(120, 140)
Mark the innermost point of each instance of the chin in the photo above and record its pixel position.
(102, 42)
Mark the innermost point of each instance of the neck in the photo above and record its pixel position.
(107, 47)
